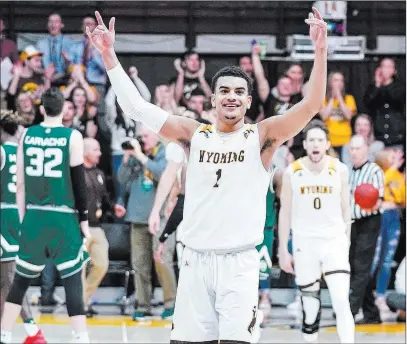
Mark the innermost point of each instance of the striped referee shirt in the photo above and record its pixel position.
(368, 173)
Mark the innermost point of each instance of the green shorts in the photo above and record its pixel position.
(266, 253)
(54, 234)
(10, 225)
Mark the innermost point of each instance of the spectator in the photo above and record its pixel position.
(339, 108)
(84, 54)
(245, 62)
(8, 47)
(296, 73)
(385, 100)
(363, 127)
(68, 114)
(191, 75)
(78, 79)
(196, 101)
(98, 204)
(364, 233)
(397, 300)
(85, 115)
(30, 77)
(121, 127)
(394, 200)
(25, 109)
(141, 171)
(55, 48)
(164, 98)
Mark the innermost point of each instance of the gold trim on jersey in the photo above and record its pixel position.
(297, 166)
(206, 130)
(248, 131)
(332, 165)
(62, 209)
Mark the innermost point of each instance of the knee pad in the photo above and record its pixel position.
(74, 294)
(18, 289)
(311, 308)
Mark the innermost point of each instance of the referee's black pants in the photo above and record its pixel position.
(364, 236)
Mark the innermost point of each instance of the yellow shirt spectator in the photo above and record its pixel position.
(340, 131)
(394, 187)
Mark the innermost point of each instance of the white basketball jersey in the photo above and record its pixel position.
(316, 203)
(226, 188)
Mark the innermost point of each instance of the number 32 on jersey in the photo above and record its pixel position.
(43, 162)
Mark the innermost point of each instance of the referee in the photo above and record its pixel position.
(364, 234)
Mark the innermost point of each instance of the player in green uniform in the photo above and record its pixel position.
(51, 194)
(9, 221)
(266, 247)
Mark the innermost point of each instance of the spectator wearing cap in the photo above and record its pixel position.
(29, 76)
(84, 54)
(55, 47)
(191, 75)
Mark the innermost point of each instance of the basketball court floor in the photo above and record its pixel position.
(282, 327)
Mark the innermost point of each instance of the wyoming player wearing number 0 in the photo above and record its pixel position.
(315, 204)
(228, 175)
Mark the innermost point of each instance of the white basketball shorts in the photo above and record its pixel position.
(217, 296)
(316, 256)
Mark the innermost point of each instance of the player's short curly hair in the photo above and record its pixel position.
(314, 124)
(9, 121)
(232, 71)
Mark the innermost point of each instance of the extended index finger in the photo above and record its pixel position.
(317, 14)
(99, 18)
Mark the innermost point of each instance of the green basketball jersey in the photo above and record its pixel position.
(8, 172)
(46, 165)
(270, 208)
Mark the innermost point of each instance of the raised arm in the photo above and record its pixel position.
(279, 129)
(173, 128)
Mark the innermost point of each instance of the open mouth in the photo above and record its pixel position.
(315, 152)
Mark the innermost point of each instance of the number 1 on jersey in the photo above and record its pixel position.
(218, 174)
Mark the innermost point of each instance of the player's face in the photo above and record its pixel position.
(316, 144)
(246, 64)
(55, 24)
(231, 99)
(196, 103)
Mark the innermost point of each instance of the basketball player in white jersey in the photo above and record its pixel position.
(228, 175)
(315, 204)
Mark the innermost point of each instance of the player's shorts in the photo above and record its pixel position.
(314, 257)
(10, 225)
(265, 250)
(50, 233)
(217, 296)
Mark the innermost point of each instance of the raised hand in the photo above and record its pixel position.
(102, 38)
(318, 29)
